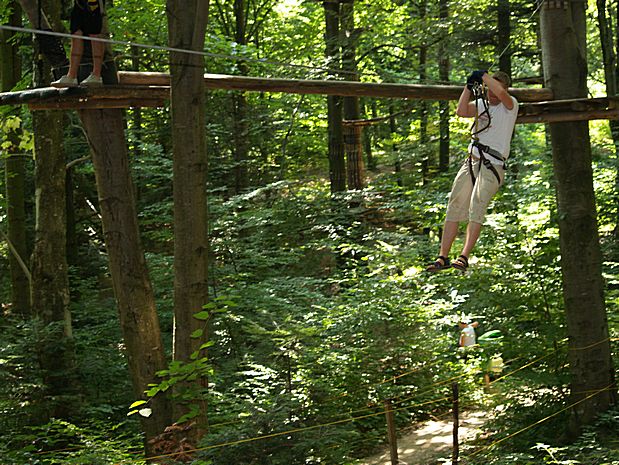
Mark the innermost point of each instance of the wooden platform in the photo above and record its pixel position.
(86, 98)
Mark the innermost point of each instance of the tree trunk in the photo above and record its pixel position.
(337, 164)
(187, 21)
(50, 280)
(394, 147)
(239, 100)
(367, 143)
(132, 287)
(423, 105)
(352, 135)
(565, 72)
(504, 37)
(443, 70)
(15, 173)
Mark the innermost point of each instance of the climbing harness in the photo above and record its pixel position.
(480, 95)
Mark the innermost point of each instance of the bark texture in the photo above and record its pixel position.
(337, 163)
(565, 71)
(50, 280)
(187, 21)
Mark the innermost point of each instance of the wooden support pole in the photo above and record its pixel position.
(391, 433)
(456, 417)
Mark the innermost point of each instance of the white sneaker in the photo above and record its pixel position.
(92, 81)
(64, 81)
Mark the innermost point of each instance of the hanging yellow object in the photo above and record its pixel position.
(93, 4)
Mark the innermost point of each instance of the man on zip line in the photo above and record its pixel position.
(483, 172)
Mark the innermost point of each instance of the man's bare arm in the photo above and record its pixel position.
(497, 89)
(466, 109)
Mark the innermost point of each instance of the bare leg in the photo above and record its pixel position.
(77, 49)
(472, 234)
(450, 231)
(97, 56)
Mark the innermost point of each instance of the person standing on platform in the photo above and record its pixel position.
(86, 20)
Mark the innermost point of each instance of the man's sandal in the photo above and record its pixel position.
(461, 263)
(441, 263)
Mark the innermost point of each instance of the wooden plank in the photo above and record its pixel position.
(342, 88)
(95, 103)
(77, 94)
(563, 117)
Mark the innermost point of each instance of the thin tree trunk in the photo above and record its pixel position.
(15, 174)
(239, 100)
(504, 37)
(352, 134)
(423, 105)
(444, 113)
(187, 21)
(609, 58)
(132, 287)
(337, 164)
(367, 143)
(565, 72)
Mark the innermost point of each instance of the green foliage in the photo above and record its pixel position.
(320, 310)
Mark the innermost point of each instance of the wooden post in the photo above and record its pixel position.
(354, 156)
(456, 450)
(393, 440)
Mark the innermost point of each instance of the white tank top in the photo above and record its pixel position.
(498, 135)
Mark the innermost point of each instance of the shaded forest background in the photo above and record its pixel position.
(319, 309)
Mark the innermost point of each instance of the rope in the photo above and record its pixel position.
(480, 94)
(541, 421)
(540, 3)
(281, 433)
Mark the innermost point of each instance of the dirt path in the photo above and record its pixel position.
(430, 440)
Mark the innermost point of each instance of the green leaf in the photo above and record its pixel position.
(197, 333)
(137, 402)
(202, 315)
(207, 344)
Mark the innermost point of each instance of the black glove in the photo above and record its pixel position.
(475, 78)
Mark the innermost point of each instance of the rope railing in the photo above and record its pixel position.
(395, 401)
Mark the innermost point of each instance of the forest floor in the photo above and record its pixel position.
(425, 443)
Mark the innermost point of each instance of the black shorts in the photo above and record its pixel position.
(84, 19)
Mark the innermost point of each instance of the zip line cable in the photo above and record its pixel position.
(496, 60)
(172, 49)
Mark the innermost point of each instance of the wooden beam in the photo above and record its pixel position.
(78, 95)
(563, 117)
(342, 88)
(95, 103)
